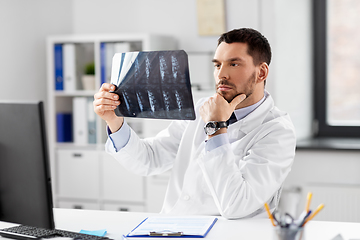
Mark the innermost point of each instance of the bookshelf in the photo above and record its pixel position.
(83, 175)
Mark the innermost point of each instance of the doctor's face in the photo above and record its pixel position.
(235, 72)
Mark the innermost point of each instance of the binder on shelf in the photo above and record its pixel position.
(69, 59)
(80, 120)
(91, 121)
(64, 127)
(109, 53)
(102, 132)
(176, 226)
(58, 66)
(102, 63)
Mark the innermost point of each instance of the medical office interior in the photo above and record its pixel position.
(84, 176)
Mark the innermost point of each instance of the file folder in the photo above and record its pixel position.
(174, 226)
(58, 62)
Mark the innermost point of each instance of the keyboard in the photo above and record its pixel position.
(24, 232)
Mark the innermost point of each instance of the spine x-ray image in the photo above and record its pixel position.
(153, 85)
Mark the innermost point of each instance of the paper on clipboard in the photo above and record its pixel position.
(194, 226)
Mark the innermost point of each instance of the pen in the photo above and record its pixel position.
(269, 213)
(304, 219)
(321, 206)
(309, 196)
(276, 217)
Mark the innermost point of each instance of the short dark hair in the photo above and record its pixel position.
(258, 46)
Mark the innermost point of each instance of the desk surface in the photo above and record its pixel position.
(118, 223)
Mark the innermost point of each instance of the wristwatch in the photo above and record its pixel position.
(212, 127)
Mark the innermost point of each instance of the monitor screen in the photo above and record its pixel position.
(25, 183)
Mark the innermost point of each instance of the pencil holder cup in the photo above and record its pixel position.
(282, 233)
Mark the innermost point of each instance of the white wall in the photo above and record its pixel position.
(176, 18)
(24, 26)
(293, 57)
(288, 26)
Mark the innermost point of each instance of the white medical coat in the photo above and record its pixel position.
(233, 180)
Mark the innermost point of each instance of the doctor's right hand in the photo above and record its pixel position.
(104, 104)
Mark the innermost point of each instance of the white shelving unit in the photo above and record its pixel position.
(84, 176)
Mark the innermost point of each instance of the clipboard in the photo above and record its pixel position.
(174, 227)
(154, 84)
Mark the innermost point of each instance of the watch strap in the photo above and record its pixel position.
(222, 124)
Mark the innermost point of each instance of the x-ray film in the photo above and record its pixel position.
(153, 85)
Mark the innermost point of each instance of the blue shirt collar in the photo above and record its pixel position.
(243, 112)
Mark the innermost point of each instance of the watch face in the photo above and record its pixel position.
(210, 128)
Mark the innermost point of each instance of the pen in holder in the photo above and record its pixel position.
(288, 228)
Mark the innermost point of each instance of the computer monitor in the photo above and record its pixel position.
(25, 183)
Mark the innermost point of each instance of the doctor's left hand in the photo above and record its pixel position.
(216, 108)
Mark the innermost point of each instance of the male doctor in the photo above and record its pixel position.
(218, 168)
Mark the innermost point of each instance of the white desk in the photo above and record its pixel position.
(118, 223)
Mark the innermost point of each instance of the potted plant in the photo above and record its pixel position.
(88, 79)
